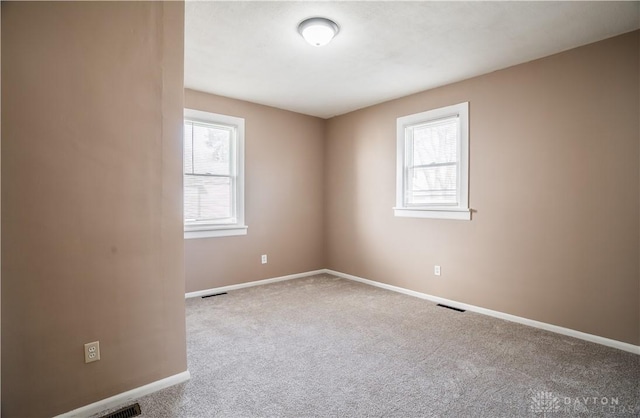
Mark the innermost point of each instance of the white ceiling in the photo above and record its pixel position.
(385, 50)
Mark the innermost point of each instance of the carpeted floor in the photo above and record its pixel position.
(328, 347)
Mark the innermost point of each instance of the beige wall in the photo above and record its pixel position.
(91, 201)
(283, 199)
(554, 148)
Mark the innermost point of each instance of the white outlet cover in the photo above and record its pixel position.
(92, 352)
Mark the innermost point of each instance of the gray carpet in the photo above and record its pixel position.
(327, 347)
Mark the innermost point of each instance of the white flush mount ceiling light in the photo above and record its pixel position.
(318, 31)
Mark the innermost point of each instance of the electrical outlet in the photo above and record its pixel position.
(92, 352)
(436, 270)
(264, 259)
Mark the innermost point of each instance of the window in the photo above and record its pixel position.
(213, 175)
(433, 164)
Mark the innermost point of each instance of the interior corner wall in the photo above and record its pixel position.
(91, 200)
(283, 199)
(554, 186)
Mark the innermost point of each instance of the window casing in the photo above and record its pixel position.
(432, 179)
(213, 167)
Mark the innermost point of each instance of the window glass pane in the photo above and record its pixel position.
(433, 185)
(211, 150)
(188, 148)
(207, 198)
(435, 142)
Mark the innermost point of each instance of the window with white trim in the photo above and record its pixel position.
(432, 179)
(213, 175)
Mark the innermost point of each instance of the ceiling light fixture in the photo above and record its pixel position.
(318, 31)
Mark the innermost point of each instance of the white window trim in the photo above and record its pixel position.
(461, 211)
(209, 230)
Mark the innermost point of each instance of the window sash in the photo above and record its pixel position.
(232, 176)
(417, 197)
(419, 206)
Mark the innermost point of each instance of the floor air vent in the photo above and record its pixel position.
(128, 412)
(451, 307)
(215, 294)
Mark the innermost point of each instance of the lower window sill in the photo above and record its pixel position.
(222, 231)
(459, 214)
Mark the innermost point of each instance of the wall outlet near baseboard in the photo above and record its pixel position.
(264, 259)
(436, 270)
(92, 352)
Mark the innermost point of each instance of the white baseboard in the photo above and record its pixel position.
(222, 289)
(536, 324)
(128, 396)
